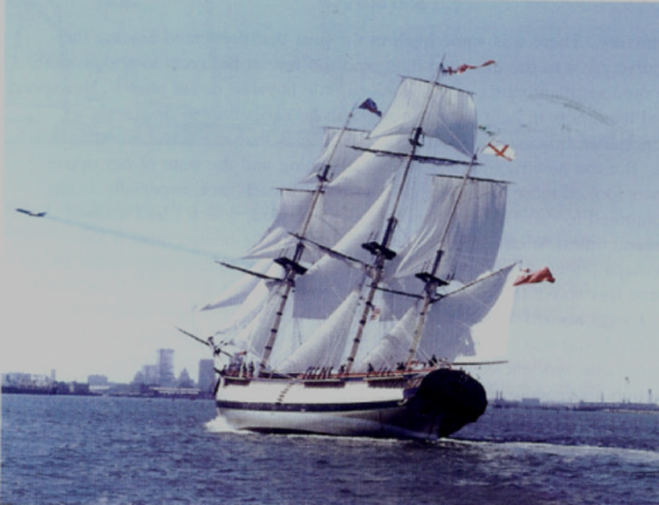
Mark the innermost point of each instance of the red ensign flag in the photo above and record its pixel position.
(534, 277)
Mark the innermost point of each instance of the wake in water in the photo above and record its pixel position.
(220, 425)
(565, 450)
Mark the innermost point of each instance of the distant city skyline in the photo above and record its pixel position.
(159, 374)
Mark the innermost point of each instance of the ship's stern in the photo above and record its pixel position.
(445, 401)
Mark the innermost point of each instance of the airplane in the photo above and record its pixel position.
(30, 213)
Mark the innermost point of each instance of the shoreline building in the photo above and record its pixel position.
(206, 377)
(160, 374)
(166, 375)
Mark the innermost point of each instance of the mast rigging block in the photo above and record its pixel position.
(427, 278)
(289, 264)
(376, 249)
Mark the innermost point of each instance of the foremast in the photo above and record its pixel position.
(292, 266)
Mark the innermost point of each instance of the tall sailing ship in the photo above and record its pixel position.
(363, 310)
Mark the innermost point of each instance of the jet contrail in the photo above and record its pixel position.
(572, 104)
(129, 236)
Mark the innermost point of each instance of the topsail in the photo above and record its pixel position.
(470, 237)
(450, 115)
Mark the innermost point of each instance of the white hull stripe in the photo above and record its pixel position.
(308, 407)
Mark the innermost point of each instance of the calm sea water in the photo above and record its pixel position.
(81, 450)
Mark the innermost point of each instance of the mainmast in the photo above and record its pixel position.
(292, 266)
(382, 251)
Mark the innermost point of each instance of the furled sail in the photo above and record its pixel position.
(450, 115)
(326, 346)
(472, 241)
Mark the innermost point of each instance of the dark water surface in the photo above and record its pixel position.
(81, 450)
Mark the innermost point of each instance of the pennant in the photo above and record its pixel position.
(535, 277)
(463, 68)
(370, 106)
(500, 150)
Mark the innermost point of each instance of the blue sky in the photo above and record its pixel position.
(154, 132)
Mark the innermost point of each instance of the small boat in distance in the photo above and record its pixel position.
(361, 309)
